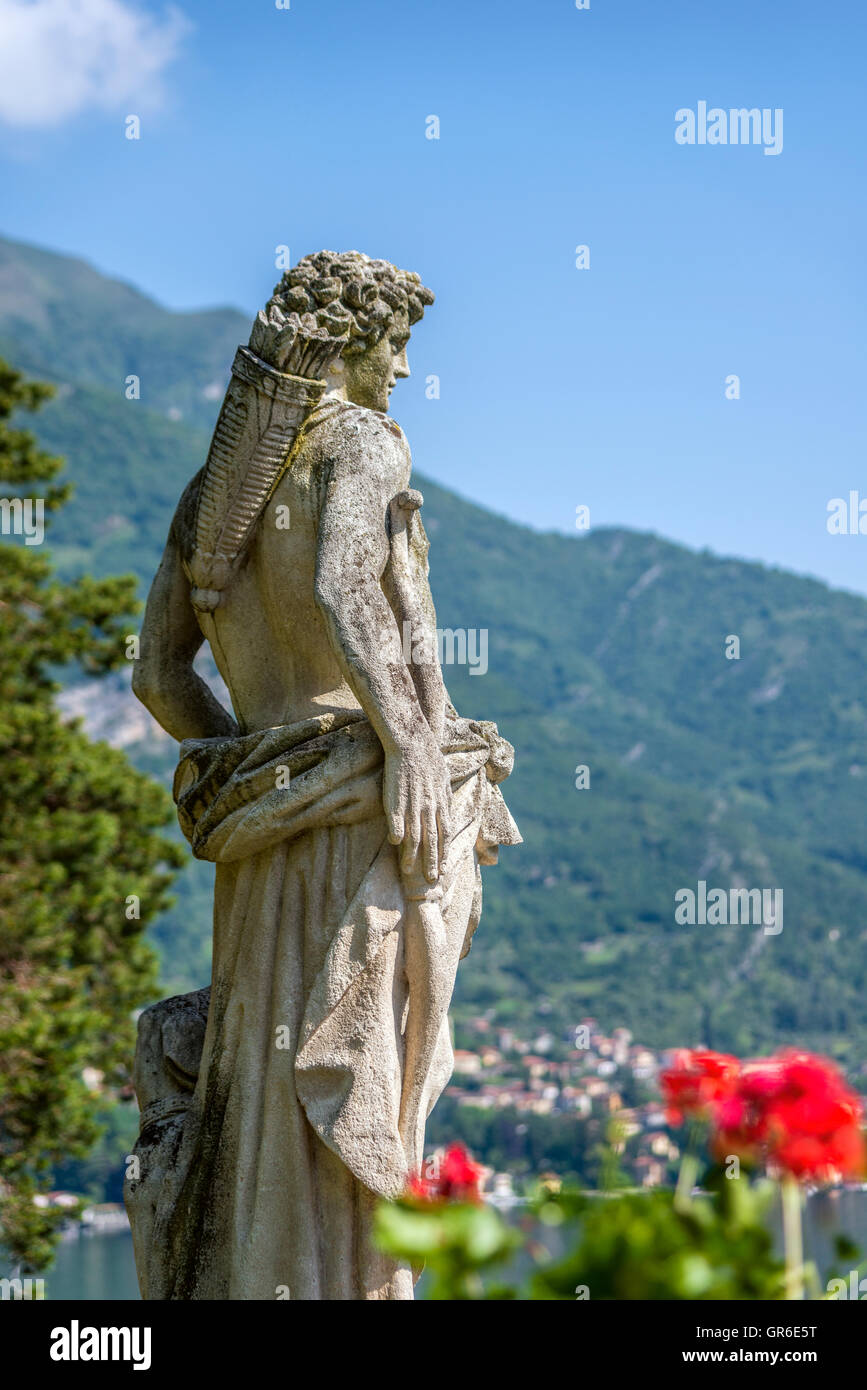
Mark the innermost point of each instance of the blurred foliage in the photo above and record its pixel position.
(630, 1246)
(642, 1245)
(77, 838)
(455, 1241)
(99, 1175)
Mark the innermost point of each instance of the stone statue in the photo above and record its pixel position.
(346, 806)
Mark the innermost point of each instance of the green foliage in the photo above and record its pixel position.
(455, 1241)
(77, 838)
(30, 1232)
(645, 1246)
(634, 1245)
(99, 1175)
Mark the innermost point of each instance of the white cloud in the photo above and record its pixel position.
(61, 57)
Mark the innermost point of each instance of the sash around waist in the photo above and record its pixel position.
(238, 796)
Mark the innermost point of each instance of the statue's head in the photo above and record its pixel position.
(370, 306)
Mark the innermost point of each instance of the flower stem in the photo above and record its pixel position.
(689, 1169)
(793, 1241)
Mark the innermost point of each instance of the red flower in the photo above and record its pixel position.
(420, 1188)
(458, 1179)
(796, 1111)
(697, 1082)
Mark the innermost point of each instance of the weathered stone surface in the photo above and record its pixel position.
(346, 806)
(168, 1055)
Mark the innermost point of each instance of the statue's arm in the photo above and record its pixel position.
(163, 677)
(352, 552)
(406, 587)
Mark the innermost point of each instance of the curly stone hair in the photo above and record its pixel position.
(340, 303)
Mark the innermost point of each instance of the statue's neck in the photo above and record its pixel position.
(336, 385)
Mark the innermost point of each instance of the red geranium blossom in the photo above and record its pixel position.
(458, 1179)
(697, 1081)
(797, 1112)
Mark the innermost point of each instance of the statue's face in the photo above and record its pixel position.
(370, 378)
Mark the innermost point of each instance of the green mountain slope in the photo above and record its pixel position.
(606, 651)
(59, 315)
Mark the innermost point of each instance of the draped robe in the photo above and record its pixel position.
(270, 1131)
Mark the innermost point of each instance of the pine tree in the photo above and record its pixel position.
(78, 846)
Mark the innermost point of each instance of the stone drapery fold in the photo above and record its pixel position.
(295, 1111)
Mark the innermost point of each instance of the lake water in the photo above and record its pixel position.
(101, 1267)
(93, 1267)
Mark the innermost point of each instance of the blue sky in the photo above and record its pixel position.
(559, 386)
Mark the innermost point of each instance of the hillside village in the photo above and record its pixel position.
(608, 1081)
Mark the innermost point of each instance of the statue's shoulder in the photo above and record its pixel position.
(362, 436)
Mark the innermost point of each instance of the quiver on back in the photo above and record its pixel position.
(263, 410)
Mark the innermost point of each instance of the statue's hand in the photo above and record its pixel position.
(417, 800)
